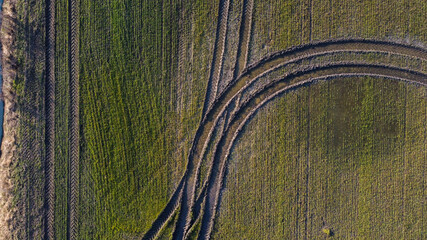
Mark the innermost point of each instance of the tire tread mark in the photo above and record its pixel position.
(73, 127)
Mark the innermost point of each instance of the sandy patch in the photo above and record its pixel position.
(10, 126)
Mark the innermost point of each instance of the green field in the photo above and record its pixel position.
(324, 155)
(166, 86)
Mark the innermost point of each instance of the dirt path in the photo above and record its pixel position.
(50, 121)
(74, 137)
(265, 95)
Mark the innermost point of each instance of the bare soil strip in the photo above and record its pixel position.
(73, 128)
(218, 54)
(11, 119)
(50, 121)
(264, 66)
(265, 95)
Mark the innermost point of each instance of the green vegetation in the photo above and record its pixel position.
(357, 153)
(279, 25)
(327, 231)
(325, 152)
(61, 119)
(349, 152)
(143, 67)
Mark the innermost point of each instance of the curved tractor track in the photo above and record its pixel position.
(263, 96)
(225, 113)
(229, 106)
(218, 54)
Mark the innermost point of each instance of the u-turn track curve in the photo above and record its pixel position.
(266, 65)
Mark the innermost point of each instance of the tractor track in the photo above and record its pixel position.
(218, 54)
(73, 128)
(203, 188)
(200, 151)
(244, 38)
(50, 122)
(266, 94)
(251, 73)
(211, 93)
(166, 214)
(358, 45)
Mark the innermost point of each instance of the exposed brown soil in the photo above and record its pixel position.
(10, 124)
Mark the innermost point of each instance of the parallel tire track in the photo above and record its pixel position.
(50, 122)
(74, 137)
(270, 63)
(240, 64)
(211, 93)
(249, 82)
(267, 94)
